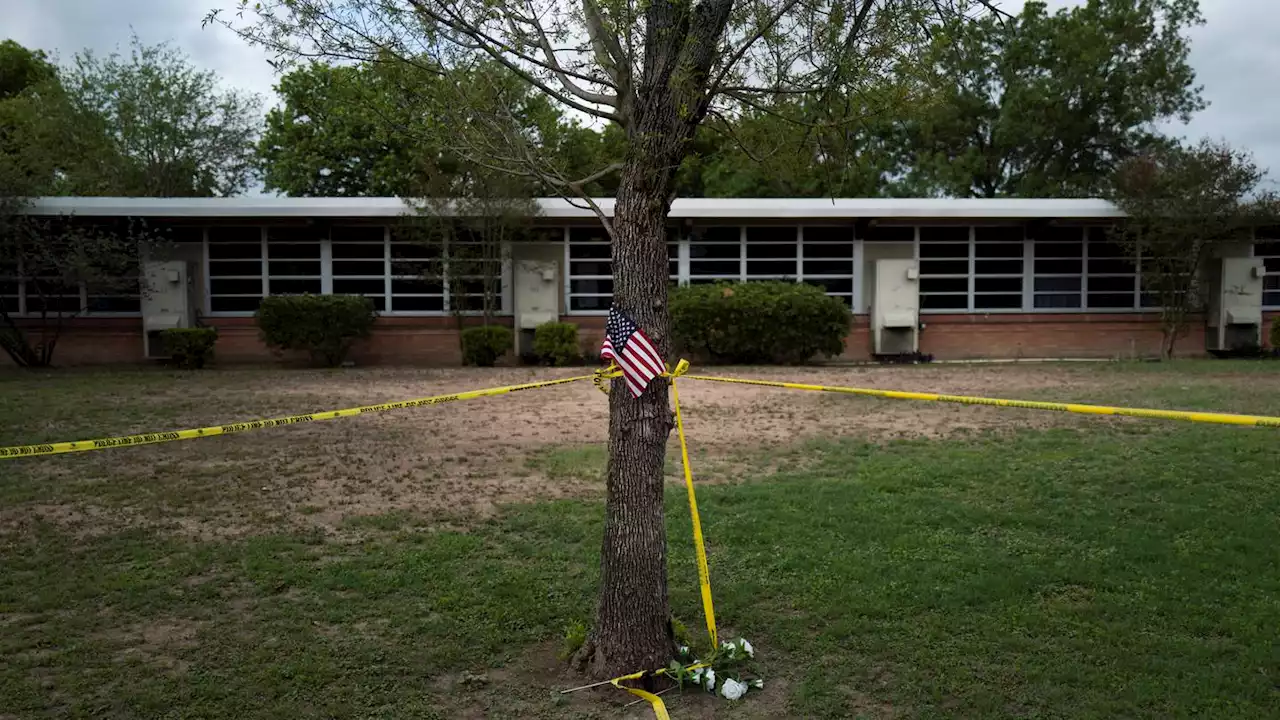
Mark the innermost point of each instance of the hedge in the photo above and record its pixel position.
(758, 322)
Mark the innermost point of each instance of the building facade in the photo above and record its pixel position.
(996, 278)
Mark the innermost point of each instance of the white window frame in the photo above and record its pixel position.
(1274, 243)
(209, 277)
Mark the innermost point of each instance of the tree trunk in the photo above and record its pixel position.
(632, 630)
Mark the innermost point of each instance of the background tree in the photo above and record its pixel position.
(1046, 105)
(1183, 204)
(177, 133)
(655, 69)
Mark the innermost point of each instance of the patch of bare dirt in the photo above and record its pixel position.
(157, 642)
(464, 459)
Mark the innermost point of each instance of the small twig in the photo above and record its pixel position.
(633, 702)
(585, 687)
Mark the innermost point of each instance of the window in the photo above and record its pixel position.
(10, 287)
(590, 257)
(474, 271)
(715, 254)
(293, 261)
(417, 284)
(1268, 249)
(828, 260)
(360, 263)
(771, 253)
(997, 268)
(1058, 268)
(1111, 279)
(944, 268)
(235, 269)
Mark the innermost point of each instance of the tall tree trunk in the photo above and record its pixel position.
(632, 629)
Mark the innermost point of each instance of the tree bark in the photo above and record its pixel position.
(632, 631)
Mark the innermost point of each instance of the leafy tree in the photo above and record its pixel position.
(1046, 105)
(1183, 203)
(656, 69)
(177, 133)
(363, 130)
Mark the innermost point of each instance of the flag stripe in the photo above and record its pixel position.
(630, 349)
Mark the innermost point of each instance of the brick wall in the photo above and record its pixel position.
(434, 340)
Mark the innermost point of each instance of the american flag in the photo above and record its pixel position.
(628, 347)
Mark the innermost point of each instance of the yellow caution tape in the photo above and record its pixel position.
(699, 545)
(151, 438)
(659, 709)
(1201, 417)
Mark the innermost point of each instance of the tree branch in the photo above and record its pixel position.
(569, 85)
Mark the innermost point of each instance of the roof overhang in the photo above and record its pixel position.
(556, 208)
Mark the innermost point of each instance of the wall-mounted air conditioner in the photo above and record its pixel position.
(166, 303)
(895, 308)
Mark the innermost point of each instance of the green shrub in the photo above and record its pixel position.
(190, 348)
(765, 322)
(325, 326)
(483, 346)
(556, 343)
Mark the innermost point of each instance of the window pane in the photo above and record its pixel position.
(1011, 235)
(944, 302)
(771, 250)
(234, 304)
(1102, 249)
(944, 267)
(1067, 236)
(715, 267)
(414, 251)
(1049, 302)
(361, 250)
(115, 305)
(349, 233)
(235, 267)
(1111, 267)
(53, 303)
(304, 251)
(998, 267)
(359, 267)
(1059, 250)
(590, 268)
(1271, 299)
(1058, 267)
(589, 302)
(717, 234)
(944, 250)
(992, 284)
(235, 251)
(840, 236)
(889, 233)
(776, 235)
(293, 287)
(417, 304)
(278, 268)
(343, 286)
(936, 285)
(699, 251)
(1111, 284)
(958, 234)
(591, 286)
(218, 286)
(416, 286)
(594, 251)
(238, 234)
(997, 250)
(827, 267)
(1060, 284)
(588, 234)
(771, 267)
(997, 302)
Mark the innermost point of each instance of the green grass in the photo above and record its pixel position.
(1120, 570)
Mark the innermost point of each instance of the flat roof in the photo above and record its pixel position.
(682, 208)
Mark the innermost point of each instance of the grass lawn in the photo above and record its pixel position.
(1092, 568)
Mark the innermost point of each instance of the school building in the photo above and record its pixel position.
(952, 278)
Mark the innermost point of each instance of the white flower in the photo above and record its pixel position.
(684, 649)
(710, 680)
(696, 676)
(732, 689)
(746, 646)
(757, 684)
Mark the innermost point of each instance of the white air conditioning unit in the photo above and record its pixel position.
(1234, 318)
(166, 303)
(895, 308)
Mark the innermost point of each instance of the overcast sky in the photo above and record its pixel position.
(1235, 54)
